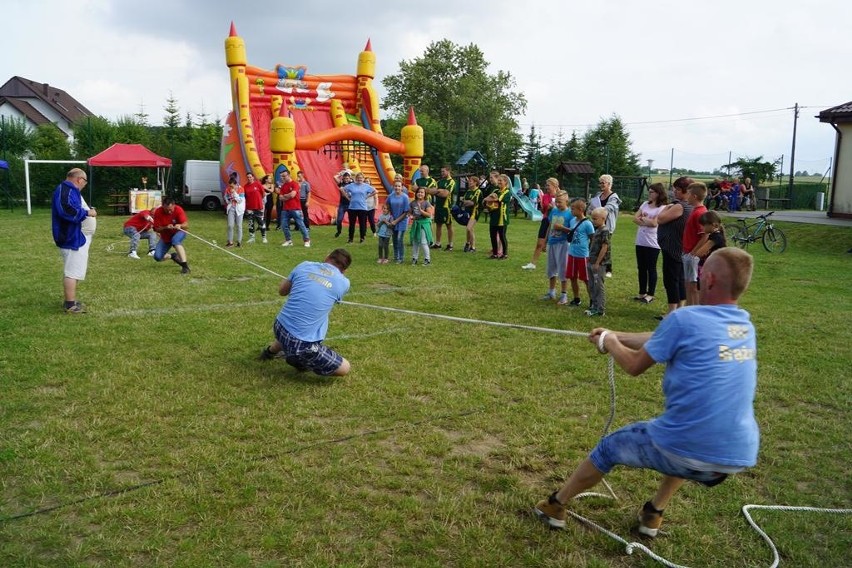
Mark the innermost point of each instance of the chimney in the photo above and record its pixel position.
(44, 88)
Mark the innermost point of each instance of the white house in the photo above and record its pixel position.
(840, 199)
(39, 103)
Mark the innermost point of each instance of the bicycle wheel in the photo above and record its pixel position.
(774, 240)
(732, 229)
(740, 238)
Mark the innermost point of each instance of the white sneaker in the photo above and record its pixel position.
(132, 254)
(307, 244)
(265, 240)
(609, 274)
(251, 240)
(287, 244)
(528, 266)
(151, 252)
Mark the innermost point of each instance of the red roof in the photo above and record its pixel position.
(129, 155)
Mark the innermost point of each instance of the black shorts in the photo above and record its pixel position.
(543, 228)
(442, 216)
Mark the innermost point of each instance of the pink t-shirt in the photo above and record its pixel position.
(647, 236)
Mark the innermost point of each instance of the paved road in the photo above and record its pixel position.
(812, 217)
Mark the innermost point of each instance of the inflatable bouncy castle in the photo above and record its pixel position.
(316, 124)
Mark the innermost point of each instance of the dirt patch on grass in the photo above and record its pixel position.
(481, 447)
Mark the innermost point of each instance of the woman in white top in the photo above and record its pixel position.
(647, 249)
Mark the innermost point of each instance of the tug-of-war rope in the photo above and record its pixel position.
(629, 546)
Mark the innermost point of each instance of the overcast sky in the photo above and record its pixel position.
(654, 63)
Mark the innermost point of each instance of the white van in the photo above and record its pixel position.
(202, 184)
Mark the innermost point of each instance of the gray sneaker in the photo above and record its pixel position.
(77, 308)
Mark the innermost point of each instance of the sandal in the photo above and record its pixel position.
(647, 299)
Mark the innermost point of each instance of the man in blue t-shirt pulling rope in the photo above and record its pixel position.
(707, 430)
(313, 288)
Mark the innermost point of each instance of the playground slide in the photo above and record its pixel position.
(319, 167)
(523, 200)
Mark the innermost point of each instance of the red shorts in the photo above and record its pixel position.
(577, 268)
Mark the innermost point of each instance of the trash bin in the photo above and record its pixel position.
(820, 201)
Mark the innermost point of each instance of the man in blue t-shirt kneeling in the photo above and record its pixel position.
(707, 430)
(300, 328)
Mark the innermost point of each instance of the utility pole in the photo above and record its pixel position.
(793, 154)
(671, 168)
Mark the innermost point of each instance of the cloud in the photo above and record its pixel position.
(576, 63)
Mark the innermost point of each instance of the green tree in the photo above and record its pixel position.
(450, 89)
(607, 147)
(757, 169)
(16, 137)
(437, 151)
(171, 120)
(48, 143)
(559, 150)
(141, 116)
(92, 135)
(128, 130)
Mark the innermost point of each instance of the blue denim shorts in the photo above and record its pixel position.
(632, 446)
(163, 247)
(304, 355)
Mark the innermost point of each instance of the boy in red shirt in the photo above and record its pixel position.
(693, 238)
(289, 194)
(169, 220)
(254, 206)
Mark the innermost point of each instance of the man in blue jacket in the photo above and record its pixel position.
(74, 226)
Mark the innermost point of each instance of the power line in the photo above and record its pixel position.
(668, 120)
(709, 117)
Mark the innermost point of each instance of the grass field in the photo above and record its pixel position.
(146, 432)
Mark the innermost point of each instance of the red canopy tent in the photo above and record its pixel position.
(129, 156)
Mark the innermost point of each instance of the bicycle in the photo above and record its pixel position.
(743, 233)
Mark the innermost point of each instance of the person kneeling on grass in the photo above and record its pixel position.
(707, 430)
(300, 328)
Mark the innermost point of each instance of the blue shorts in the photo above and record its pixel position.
(304, 355)
(163, 247)
(632, 446)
